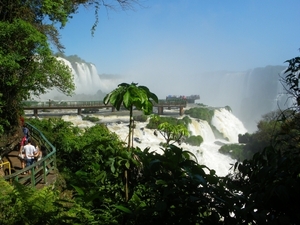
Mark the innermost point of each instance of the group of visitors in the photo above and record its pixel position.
(28, 152)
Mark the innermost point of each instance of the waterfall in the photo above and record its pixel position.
(86, 78)
(227, 124)
(250, 94)
(202, 128)
(87, 81)
(207, 153)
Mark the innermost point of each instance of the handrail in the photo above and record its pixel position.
(38, 170)
(94, 104)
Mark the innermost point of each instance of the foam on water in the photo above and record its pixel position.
(207, 153)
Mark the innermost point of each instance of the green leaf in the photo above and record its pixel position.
(123, 208)
(78, 190)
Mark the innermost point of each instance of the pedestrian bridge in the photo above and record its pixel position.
(81, 105)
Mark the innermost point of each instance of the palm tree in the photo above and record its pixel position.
(131, 95)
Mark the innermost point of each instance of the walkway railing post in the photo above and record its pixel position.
(35, 112)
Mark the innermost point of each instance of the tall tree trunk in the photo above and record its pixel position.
(129, 145)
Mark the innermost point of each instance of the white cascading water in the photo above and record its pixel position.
(207, 153)
(87, 81)
(228, 125)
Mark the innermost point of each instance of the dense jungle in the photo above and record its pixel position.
(102, 180)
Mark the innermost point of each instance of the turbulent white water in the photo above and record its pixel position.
(207, 153)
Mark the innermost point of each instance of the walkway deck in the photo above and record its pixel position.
(15, 166)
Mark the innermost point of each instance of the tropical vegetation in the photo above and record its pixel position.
(28, 31)
(102, 180)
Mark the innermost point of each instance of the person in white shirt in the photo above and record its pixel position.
(29, 150)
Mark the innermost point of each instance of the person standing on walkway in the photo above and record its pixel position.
(38, 154)
(22, 153)
(26, 132)
(29, 150)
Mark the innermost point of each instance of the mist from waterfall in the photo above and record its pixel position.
(250, 94)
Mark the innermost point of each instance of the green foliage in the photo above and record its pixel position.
(235, 151)
(173, 189)
(186, 120)
(194, 140)
(292, 78)
(244, 138)
(172, 132)
(91, 118)
(74, 146)
(130, 95)
(267, 188)
(23, 205)
(268, 128)
(27, 66)
(156, 120)
(171, 129)
(201, 113)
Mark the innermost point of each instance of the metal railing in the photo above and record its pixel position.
(38, 171)
(76, 104)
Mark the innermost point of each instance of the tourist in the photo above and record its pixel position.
(29, 150)
(26, 132)
(21, 152)
(38, 153)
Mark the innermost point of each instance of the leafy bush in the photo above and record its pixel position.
(235, 151)
(244, 138)
(91, 118)
(201, 113)
(194, 140)
(173, 189)
(187, 120)
(154, 122)
(22, 205)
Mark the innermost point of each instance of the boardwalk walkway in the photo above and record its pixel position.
(37, 175)
(15, 167)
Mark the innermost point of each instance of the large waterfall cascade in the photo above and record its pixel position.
(250, 94)
(207, 153)
(87, 81)
(86, 77)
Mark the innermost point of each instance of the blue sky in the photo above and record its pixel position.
(179, 39)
